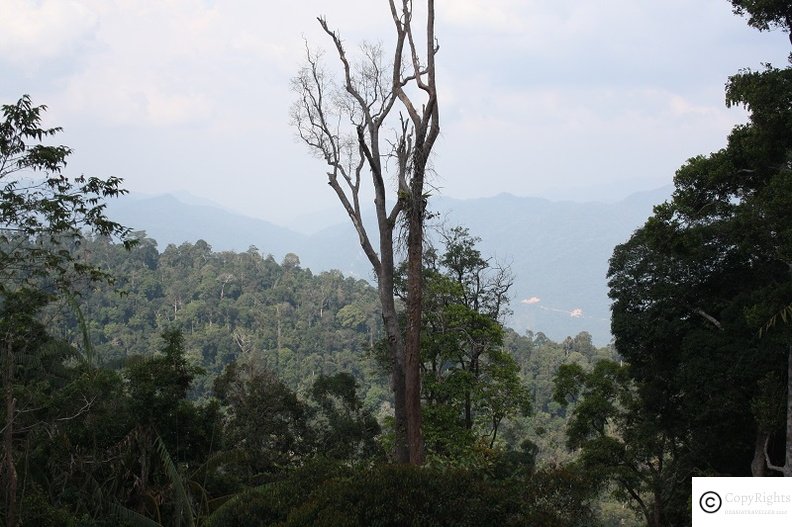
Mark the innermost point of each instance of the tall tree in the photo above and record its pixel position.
(352, 126)
(470, 381)
(43, 215)
(694, 288)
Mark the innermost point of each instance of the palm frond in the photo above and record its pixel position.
(89, 357)
(132, 518)
(785, 314)
(183, 505)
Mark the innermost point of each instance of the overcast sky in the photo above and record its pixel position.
(554, 98)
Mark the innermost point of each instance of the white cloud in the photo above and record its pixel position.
(36, 31)
(155, 64)
(178, 62)
(119, 97)
(532, 300)
(536, 139)
(483, 15)
(680, 106)
(535, 95)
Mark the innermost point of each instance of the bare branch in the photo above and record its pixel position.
(709, 318)
(349, 84)
(85, 408)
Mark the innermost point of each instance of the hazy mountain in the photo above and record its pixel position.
(558, 250)
(169, 219)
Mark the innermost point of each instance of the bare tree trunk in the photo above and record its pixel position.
(473, 367)
(758, 466)
(657, 519)
(468, 411)
(342, 123)
(395, 347)
(426, 126)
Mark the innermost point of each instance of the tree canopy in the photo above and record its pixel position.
(42, 211)
(697, 291)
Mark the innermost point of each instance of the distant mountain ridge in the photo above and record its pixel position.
(559, 253)
(557, 250)
(169, 219)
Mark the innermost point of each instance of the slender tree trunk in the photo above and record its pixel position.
(468, 411)
(426, 128)
(657, 519)
(396, 352)
(474, 369)
(414, 312)
(496, 421)
(8, 438)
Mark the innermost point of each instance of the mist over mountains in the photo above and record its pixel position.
(558, 250)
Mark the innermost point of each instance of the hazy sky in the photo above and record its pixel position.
(554, 98)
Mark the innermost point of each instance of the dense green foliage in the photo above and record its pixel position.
(276, 317)
(698, 293)
(164, 431)
(43, 213)
(333, 495)
(43, 216)
(471, 384)
(765, 14)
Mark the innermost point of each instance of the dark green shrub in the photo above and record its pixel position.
(271, 503)
(400, 496)
(36, 509)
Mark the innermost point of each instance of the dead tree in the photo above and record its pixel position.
(371, 124)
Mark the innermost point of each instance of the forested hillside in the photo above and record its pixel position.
(247, 308)
(558, 251)
(191, 352)
(228, 305)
